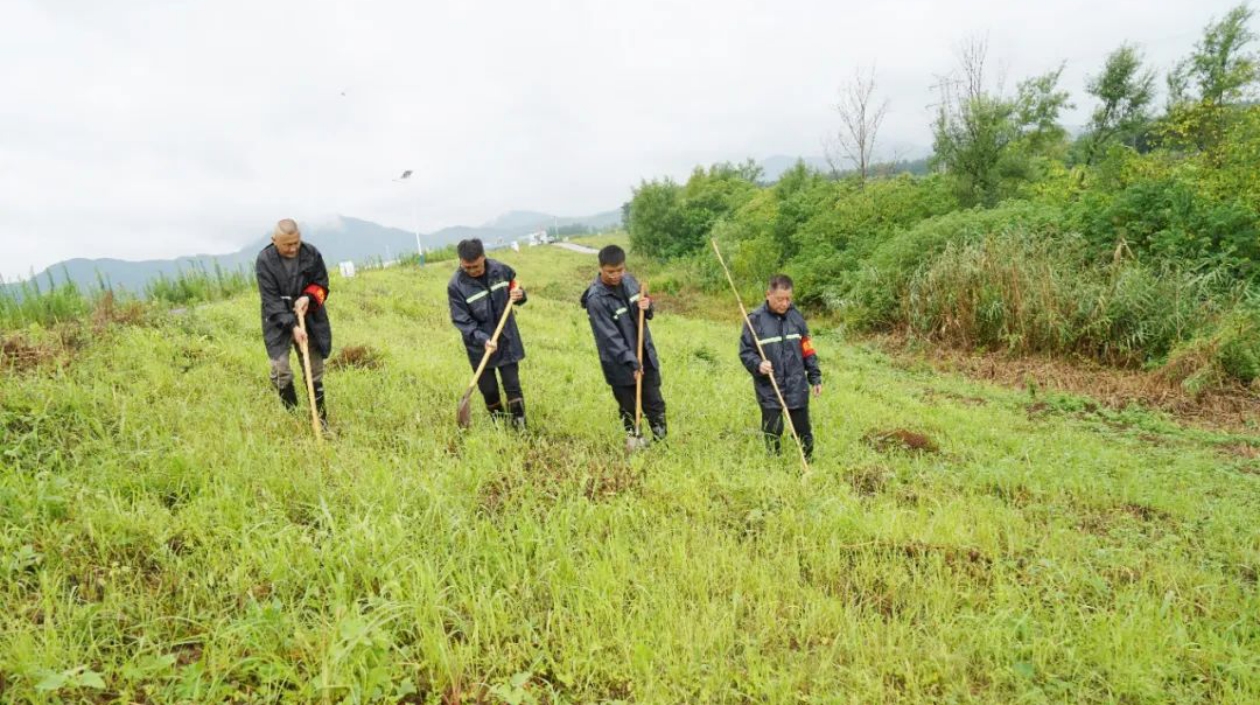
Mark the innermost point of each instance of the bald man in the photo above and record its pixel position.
(293, 282)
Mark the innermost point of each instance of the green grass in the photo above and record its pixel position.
(32, 302)
(199, 284)
(168, 534)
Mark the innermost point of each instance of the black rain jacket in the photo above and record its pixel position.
(615, 323)
(278, 291)
(789, 348)
(475, 311)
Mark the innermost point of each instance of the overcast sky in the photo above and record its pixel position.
(144, 129)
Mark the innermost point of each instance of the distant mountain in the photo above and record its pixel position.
(519, 219)
(342, 239)
(531, 221)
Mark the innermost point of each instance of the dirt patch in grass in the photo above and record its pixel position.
(453, 449)
(1130, 516)
(933, 395)
(870, 480)
(900, 562)
(901, 440)
(177, 545)
(1154, 439)
(1232, 408)
(1012, 495)
(188, 654)
(1249, 574)
(1244, 451)
(20, 354)
(361, 357)
(108, 312)
(1037, 410)
(909, 496)
(1145, 513)
(552, 468)
(608, 480)
(88, 586)
(964, 558)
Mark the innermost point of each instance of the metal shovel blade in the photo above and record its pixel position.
(463, 415)
(634, 443)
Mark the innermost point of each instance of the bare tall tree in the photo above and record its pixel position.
(973, 55)
(861, 114)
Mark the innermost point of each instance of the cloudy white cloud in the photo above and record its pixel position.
(139, 128)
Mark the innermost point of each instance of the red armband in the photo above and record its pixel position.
(317, 293)
(807, 347)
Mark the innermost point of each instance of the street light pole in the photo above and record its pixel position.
(415, 215)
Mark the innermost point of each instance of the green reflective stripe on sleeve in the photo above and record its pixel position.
(477, 296)
(618, 312)
(775, 339)
(794, 336)
(500, 285)
(634, 298)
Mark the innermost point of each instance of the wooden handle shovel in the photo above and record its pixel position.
(636, 442)
(463, 415)
(305, 348)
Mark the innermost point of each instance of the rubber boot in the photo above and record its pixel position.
(497, 414)
(288, 395)
(516, 407)
(659, 428)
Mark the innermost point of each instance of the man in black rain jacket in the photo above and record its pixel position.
(293, 282)
(612, 303)
(478, 294)
(790, 357)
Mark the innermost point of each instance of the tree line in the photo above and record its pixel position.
(1135, 242)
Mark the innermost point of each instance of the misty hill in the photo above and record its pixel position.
(532, 221)
(343, 239)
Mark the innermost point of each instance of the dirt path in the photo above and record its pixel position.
(577, 248)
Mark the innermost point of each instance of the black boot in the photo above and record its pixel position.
(659, 428)
(288, 395)
(627, 422)
(516, 407)
(807, 442)
(497, 413)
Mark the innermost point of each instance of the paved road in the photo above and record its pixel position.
(577, 248)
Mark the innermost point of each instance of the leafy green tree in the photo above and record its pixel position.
(991, 143)
(1206, 86)
(1038, 103)
(1221, 70)
(1124, 91)
(707, 197)
(655, 217)
(669, 221)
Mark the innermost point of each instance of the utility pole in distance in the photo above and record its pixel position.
(415, 215)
